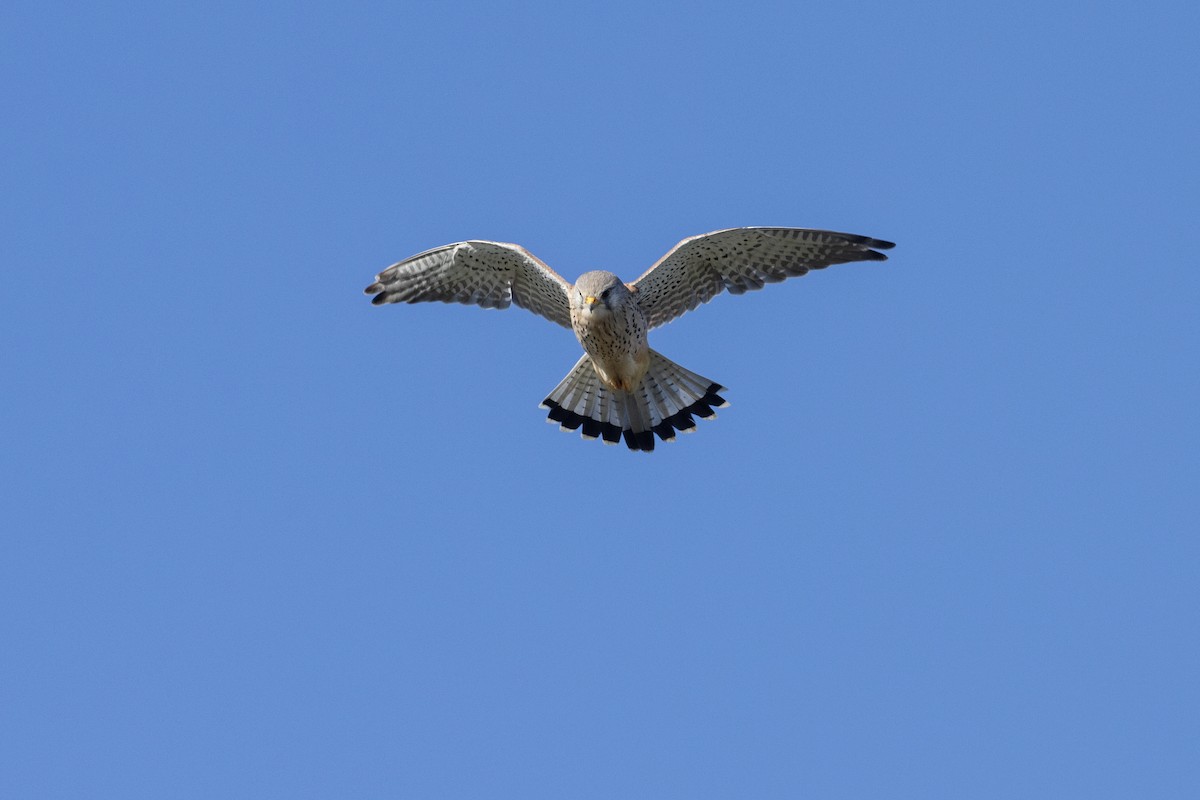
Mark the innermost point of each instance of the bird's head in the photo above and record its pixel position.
(597, 292)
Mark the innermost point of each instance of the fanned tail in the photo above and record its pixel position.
(666, 401)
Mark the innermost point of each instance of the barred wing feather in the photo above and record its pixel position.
(741, 259)
(486, 274)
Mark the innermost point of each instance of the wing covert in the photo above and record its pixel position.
(742, 259)
(486, 274)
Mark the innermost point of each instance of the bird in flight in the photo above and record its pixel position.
(620, 387)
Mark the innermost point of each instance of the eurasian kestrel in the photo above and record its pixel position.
(620, 386)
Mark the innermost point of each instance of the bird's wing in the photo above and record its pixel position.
(487, 274)
(738, 259)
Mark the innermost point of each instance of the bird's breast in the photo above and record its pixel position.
(616, 343)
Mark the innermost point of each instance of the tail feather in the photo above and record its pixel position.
(662, 404)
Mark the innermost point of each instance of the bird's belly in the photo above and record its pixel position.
(618, 352)
(623, 373)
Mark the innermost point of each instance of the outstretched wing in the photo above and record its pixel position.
(487, 274)
(739, 259)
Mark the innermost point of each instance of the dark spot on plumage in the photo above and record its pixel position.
(680, 421)
(567, 419)
(557, 412)
(642, 440)
(711, 398)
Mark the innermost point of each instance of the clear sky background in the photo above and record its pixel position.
(261, 539)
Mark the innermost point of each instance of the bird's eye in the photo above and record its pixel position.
(604, 294)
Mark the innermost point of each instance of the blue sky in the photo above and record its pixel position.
(264, 540)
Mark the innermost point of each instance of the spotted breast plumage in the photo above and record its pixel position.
(620, 388)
